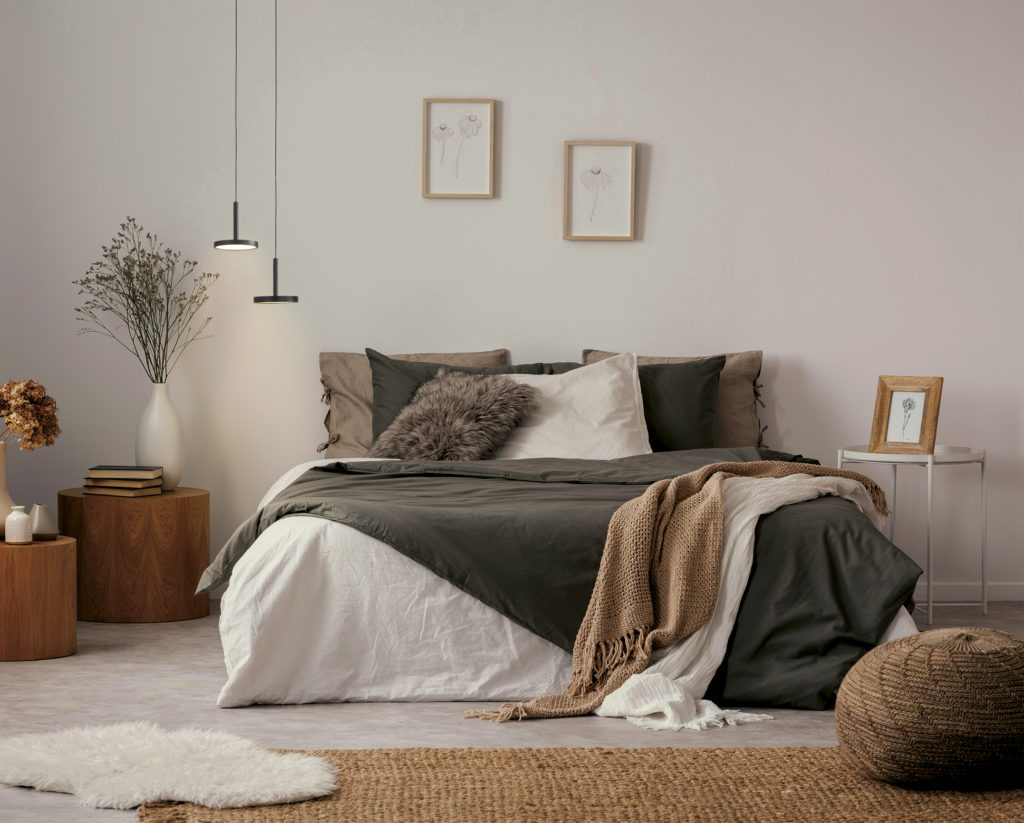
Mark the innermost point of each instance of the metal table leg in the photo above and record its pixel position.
(928, 538)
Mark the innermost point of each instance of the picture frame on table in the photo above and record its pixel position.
(458, 147)
(906, 415)
(599, 195)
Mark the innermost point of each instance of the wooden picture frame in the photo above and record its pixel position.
(906, 415)
(599, 194)
(458, 147)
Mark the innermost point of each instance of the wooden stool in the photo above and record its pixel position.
(38, 600)
(139, 558)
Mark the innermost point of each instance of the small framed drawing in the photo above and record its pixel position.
(600, 190)
(458, 147)
(906, 415)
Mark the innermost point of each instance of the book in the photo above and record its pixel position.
(123, 482)
(113, 491)
(126, 472)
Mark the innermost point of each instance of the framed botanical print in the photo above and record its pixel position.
(458, 147)
(906, 415)
(600, 190)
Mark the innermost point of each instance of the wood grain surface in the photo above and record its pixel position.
(37, 600)
(139, 559)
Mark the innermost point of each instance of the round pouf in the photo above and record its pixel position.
(940, 708)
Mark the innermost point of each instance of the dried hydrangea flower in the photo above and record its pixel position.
(598, 180)
(29, 414)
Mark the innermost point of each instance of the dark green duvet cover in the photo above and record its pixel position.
(525, 537)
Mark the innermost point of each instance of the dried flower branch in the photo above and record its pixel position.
(29, 414)
(137, 296)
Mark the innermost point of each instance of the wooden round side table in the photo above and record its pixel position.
(37, 599)
(139, 558)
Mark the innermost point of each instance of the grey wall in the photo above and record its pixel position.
(838, 183)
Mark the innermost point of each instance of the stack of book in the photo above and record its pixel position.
(124, 481)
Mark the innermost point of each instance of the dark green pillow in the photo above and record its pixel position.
(680, 401)
(396, 381)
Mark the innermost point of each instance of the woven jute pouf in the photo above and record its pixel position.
(940, 708)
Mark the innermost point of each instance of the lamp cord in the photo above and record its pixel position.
(275, 128)
(236, 100)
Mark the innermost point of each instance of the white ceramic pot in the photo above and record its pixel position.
(17, 527)
(159, 439)
(6, 504)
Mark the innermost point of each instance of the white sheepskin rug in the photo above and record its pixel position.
(126, 764)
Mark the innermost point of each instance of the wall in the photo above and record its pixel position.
(838, 183)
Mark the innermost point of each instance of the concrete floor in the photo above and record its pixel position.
(170, 674)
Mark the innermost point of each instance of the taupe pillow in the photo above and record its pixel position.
(348, 392)
(736, 422)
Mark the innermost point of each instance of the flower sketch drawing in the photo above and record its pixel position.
(469, 127)
(596, 180)
(909, 404)
(442, 133)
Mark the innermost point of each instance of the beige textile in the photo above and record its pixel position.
(348, 390)
(736, 422)
(657, 583)
(563, 785)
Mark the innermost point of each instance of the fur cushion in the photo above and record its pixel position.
(456, 416)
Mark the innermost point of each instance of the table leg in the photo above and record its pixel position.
(984, 523)
(928, 538)
(892, 506)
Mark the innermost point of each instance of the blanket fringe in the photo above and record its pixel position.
(509, 711)
(604, 657)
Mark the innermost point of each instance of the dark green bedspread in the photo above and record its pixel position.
(525, 537)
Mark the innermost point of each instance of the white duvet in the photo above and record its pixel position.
(317, 611)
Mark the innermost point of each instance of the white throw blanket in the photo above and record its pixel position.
(667, 694)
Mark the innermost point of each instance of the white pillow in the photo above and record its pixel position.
(594, 412)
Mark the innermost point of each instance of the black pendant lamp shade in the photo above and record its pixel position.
(236, 243)
(275, 297)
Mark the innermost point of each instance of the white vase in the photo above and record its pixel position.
(17, 526)
(159, 439)
(6, 504)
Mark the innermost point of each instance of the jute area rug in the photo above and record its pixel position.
(606, 786)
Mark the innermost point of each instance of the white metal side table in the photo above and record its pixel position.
(943, 456)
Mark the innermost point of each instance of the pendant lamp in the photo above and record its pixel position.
(275, 297)
(235, 243)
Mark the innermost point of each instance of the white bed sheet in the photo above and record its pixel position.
(317, 611)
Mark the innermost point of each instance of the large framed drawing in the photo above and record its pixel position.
(906, 415)
(458, 147)
(600, 190)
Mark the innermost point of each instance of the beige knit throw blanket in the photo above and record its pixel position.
(657, 583)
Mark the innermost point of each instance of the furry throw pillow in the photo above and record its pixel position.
(456, 416)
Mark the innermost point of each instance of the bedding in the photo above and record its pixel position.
(395, 381)
(594, 412)
(681, 403)
(318, 610)
(456, 416)
(736, 422)
(348, 393)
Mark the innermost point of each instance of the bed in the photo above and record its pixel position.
(322, 607)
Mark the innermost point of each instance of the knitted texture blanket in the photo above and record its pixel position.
(657, 582)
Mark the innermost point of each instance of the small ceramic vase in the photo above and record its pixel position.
(17, 526)
(44, 527)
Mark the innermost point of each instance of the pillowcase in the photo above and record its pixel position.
(680, 400)
(348, 391)
(395, 382)
(456, 416)
(736, 422)
(593, 412)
